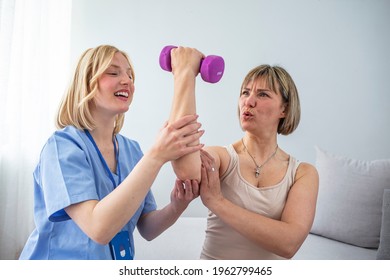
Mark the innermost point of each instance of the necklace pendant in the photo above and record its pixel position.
(257, 172)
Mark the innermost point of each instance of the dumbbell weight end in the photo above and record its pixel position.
(212, 68)
(165, 58)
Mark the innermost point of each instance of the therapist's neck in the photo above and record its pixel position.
(103, 135)
(104, 130)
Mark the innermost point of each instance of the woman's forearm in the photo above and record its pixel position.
(156, 222)
(101, 220)
(184, 103)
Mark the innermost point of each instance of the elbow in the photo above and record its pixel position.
(286, 251)
(187, 172)
(290, 245)
(188, 167)
(289, 249)
(145, 227)
(289, 253)
(102, 237)
(188, 175)
(148, 238)
(101, 240)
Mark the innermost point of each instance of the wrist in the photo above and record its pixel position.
(216, 205)
(154, 156)
(186, 74)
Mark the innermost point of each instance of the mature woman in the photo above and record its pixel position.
(261, 199)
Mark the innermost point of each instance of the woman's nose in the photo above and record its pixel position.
(250, 101)
(126, 80)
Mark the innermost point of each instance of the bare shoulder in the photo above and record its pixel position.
(307, 171)
(307, 168)
(217, 151)
(220, 155)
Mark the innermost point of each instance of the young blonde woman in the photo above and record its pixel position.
(92, 184)
(261, 199)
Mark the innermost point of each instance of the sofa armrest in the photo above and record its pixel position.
(384, 242)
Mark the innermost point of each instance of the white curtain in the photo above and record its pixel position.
(34, 71)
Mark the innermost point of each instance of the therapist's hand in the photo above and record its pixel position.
(173, 139)
(183, 193)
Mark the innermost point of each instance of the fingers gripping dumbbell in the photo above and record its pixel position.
(211, 67)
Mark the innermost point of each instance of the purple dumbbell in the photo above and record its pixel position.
(211, 67)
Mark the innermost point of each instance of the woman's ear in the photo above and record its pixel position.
(284, 110)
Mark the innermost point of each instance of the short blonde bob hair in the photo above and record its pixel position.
(75, 106)
(279, 81)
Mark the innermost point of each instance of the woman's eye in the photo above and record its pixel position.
(111, 73)
(245, 92)
(262, 94)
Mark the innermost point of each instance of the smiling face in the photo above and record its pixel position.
(115, 88)
(260, 107)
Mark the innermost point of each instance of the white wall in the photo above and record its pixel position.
(336, 51)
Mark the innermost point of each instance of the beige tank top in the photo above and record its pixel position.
(221, 241)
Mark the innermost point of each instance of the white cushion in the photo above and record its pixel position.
(384, 246)
(349, 206)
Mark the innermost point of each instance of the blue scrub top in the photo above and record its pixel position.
(70, 171)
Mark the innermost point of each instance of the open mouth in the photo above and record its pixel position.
(122, 94)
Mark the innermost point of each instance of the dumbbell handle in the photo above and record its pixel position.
(211, 67)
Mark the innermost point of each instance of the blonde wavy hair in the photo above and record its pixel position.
(279, 81)
(75, 106)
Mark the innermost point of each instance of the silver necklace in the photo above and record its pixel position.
(258, 167)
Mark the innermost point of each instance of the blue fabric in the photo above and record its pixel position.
(70, 171)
